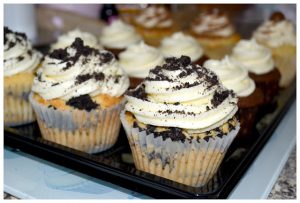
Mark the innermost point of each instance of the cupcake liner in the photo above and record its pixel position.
(91, 132)
(17, 109)
(192, 162)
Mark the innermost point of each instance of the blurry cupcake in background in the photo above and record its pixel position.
(117, 36)
(77, 97)
(234, 77)
(257, 59)
(215, 33)
(279, 35)
(138, 59)
(68, 38)
(154, 23)
(180, 122)
(20, 64)
(180, 44)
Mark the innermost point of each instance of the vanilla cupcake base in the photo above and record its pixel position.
(192, 163)
(90, 132)
(17, 109)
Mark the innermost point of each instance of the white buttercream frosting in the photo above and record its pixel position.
(232, 76)
(213, 24)
(19, 56)
(138, 59)
(182, 94)
(119, 35)
(68, 38)
(252, 56)
(180, 44)
(275, 34)
(154, 17)
(79, 70)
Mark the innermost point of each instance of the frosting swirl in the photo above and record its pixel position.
(138, 59)
(253, 57)
(68, 38)
(182, 94)
(180, 44)
(79, 70)
(119, 35)
(18, 53)
(232, 76)
(212, 23)
(154, 17)
(276, 31)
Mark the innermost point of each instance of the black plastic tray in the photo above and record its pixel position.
(113, 167)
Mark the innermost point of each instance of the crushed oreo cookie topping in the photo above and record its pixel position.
(82, 102)
(79, 70)
(18, 53)
(181, 94)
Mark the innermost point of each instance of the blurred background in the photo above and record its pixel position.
(43, 23)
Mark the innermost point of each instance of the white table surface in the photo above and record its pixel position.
(29, 177)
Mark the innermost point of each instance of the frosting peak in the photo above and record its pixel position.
(212, 23)
(79, 70)
(138, 59)
(182, 94)
(276, 31)
(252, 56)
(180, 44)
(232, 76)
(154, 17)
(19, 56)
(119, 35)
(67, 39)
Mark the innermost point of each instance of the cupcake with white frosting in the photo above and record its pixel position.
(68, 38)
(236, 78)
(20, 64)
(77, 96)
(138, 59)
(154, 23)
(279, 35)
(180, 44)
(258, 60)
(180, 122)
(117, 36)
(215, 32)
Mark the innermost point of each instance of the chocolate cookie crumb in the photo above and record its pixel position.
(139, 93)
(83, 102)
(219, 97)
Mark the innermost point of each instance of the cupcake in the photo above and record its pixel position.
(257, 59)
(77, 97)
(278, 34)
(180, 122)
(138, 59)
(215, 33)
(68, 38)
(180, 44)
(154, 23)
(20, 64)
(117, 36)
(236, 78)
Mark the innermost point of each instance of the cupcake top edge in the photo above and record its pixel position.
(252, 56)
(68, 38)
(181, 44)
(212, 23)
(276, 31)
(19, 56)
(139, 58)
(232, 76)
(79, 70)
(184, 95)
(119, 35)
(155, 16)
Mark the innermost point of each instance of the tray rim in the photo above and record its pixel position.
(71, 160)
